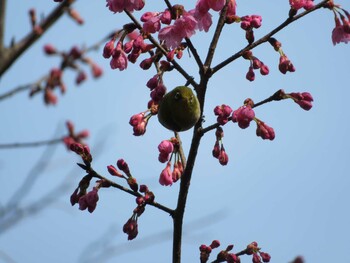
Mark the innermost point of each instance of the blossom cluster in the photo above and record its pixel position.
(227, 256)
(169, 149)
(255, 64)
(172, 26)
(73, 137)
(341, 32)
(74, 59)
(218, 151)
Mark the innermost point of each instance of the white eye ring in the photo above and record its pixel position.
(177, 96)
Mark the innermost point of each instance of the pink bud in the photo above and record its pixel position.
(265, 257)
(215, 244)
(96, 70)
(264, 70)
(146, 63)
(50, 49)
(166, 176)
(223, 157)
(80, 77)
(265, 131)
(113, 171)
(250, 74)
(166, 147)
(122, 165)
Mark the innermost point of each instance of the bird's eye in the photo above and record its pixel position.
(177, 96)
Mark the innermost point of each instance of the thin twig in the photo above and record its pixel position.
(30, 144)
(14, 52)
(275, 97)
(129, 191)
(15, 91)
(267, 36)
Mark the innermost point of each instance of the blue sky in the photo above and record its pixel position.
(290, 195)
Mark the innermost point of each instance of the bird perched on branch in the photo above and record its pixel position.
(179, 109)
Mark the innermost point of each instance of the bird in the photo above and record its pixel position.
(179, 109)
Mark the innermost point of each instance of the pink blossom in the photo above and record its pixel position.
(158, 93)
(96, 70)
(304, 100)
(216, 5)
(184, 27)
(131, 228)
(50, 49)
(50, 97)
(80, 77)
(223, 112)
(120, 5)
(165, 149)
(204, 20)
(186, 24)
(243, 115)
(339, 34)
(265, 256)
(113, 171)
(166, 176)
(165, 17)
(285, 65)
(264, 131)
(139, 123)
(152, 25)
(223, 157)
(298, 4)
(153, 82)
(264, 70)
(216, 149)
(108, 49)
(231, 8)
(250, 74)
(177, 172)
(89, 200)
(202, 6)
(256, 258)
(123, 165)
(119, 59)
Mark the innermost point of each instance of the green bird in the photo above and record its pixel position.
(179, 109)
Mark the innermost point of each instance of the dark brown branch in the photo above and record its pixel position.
(277, 96)
(11, 54)
(131, 192)
(30, 144)
(182, 197)
(15, 91)
(63, 66)
(267, 37)
(2, 24)
(216, 36)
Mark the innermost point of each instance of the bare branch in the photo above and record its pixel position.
(267, 37)
(2, 24)
(30, 144)
(10, 55)
(129, 191)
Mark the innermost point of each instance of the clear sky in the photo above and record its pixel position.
(290, 195)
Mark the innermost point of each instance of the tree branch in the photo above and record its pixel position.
(2, 25)
(30, 144)
(267, 37)
(11, 54)
(93, 173)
